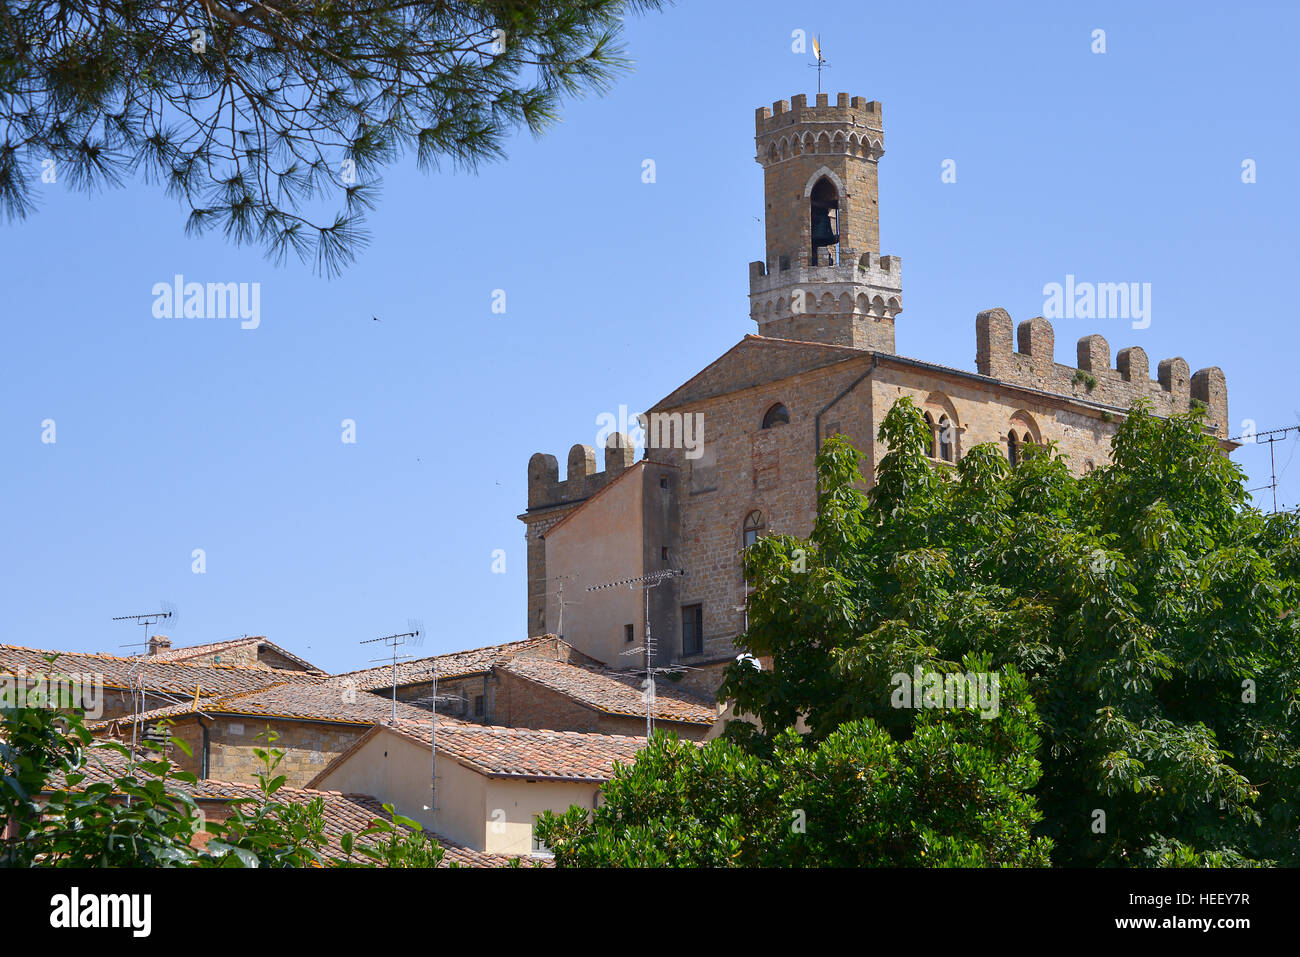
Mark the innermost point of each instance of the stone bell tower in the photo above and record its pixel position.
(824, 279)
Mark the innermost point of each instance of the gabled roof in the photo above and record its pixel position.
(498, 752)
(737, 369)
(217, 647)
(613, 692)
(166, 676)
(309, 702)
(456, 664)
(343, 813)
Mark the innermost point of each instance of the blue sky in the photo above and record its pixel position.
(178, 434)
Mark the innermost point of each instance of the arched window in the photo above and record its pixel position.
(929, 443)
(824, 209)
(947, 436)
(777, 415)
(753, 528)
(1013, 448)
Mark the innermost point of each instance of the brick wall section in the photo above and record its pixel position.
(308, 746)
(273, 659)
(524, 704)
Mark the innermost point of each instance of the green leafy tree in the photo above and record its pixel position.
(953, 794)
(1151, 610)
(139, 820)
(51, 817)
(271, 121)
(401, 843)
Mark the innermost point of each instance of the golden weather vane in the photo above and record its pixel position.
(821, 61)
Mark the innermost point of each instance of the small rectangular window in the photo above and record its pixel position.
(692, 629)
(629, 633)
(663, 481)
(663, 553)
(478, 706)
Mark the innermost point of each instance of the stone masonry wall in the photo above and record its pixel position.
(1033, 364)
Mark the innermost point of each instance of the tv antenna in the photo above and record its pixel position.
(821, 61)
(1274, 436)
(135, 675)
(646, 583)
(433, 700)
(559, 595)
(148, 621)
(414, 637)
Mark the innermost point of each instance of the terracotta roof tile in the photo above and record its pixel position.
(527, 752)
(216, 647)
(612, 692)
(165, 676)
(317, 702)
(452, 665)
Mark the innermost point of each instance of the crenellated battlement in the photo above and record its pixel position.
(853, 127)
(581, 479)
(847, 111)
(852, 304)
(1033, 363)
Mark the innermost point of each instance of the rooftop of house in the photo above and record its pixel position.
(166, 653)
(614, 692)
(454, 664)
(116, 671)
(291, 700)
(513, 752)
(343, 813)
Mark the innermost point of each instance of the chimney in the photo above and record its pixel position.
(159, 644)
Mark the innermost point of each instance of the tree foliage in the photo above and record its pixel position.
(143, 816)
(251, 111)
(1150, 609)
(953, 794)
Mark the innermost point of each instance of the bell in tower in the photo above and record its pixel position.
(825, 206)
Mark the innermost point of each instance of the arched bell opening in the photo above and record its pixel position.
(824, 208)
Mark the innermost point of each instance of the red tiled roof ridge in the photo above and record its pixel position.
(528, 670)
(147, 658)
(183, 654)
(529, 732)
(491, 652)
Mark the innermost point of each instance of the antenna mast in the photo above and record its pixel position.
(137, 689)
(645, 583)
(1274, 436)
(397, 641)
